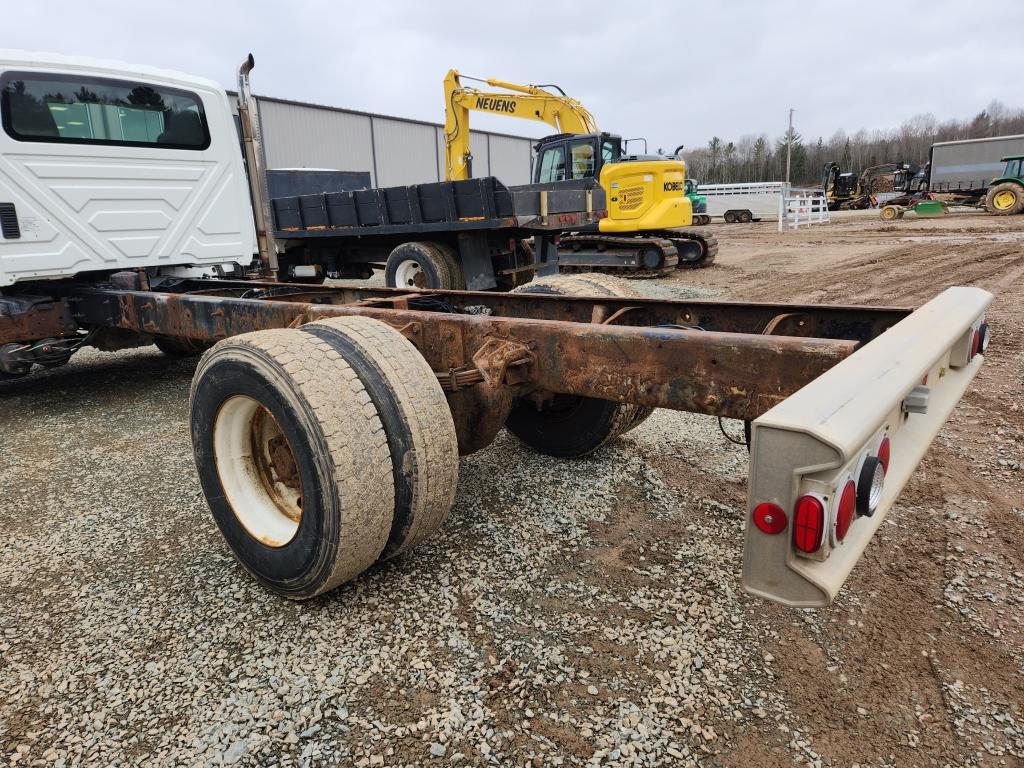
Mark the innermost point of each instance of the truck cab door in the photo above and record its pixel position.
(108, 173)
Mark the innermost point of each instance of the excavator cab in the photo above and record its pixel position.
(567, 156)
(846, 184)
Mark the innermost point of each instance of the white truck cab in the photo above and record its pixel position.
(106, 166)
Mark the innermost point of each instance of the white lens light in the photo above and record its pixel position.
(875, 494)
(869, 486)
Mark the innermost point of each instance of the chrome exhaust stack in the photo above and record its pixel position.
(253, 142)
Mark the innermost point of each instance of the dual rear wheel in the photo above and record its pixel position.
(738, 217)
(322, 450)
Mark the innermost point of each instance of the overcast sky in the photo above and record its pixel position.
(673, 72)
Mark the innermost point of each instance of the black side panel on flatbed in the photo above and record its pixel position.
(441, 206)
(290, 182)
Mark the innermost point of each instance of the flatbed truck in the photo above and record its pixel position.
(327, 422)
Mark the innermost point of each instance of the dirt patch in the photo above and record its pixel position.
(923, 648)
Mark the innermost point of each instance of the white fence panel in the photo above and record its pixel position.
(801, 207)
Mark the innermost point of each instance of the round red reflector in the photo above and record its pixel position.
(847, 508)
(770, 518)
(883, 453)
(808, 524)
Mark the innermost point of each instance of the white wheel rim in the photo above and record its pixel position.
(257, 471)
(410, 275)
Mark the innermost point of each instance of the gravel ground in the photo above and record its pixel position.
(577, 613)
(559, 616)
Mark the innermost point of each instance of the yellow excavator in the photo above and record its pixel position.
(644, 233)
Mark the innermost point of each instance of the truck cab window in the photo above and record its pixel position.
(552, 164)
(84, 110)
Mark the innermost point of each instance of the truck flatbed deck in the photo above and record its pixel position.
(491, 234)
(438, 207)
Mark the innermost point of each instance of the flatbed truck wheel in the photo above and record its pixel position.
(570, 426)
(416, 419)
(293, 460)
(456, 274)
(1005, 199)
(424, 265)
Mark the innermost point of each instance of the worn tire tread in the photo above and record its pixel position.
(434, 470)
(328, 389)
(450, 259)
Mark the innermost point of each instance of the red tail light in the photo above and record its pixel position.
(770, 518)
(808, 524)
(975, 343)
(847, 508)
(883, 453)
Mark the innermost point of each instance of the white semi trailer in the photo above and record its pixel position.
(327, 422)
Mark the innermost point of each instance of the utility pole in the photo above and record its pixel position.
(789, 144)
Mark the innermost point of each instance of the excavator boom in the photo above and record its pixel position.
(528, 102)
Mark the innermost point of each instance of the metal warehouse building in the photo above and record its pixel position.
(394, 150)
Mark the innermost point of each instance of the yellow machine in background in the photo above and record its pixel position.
(647, 203)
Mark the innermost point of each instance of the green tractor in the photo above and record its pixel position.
(699, 203)
(1005, 194)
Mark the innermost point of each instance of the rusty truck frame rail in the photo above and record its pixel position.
(729, 359)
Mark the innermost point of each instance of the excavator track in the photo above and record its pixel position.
(633, 256)
(684, 239)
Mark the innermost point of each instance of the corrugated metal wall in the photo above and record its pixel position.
(508, 156)
(395, 151)
(306, 137)
(403, 153)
